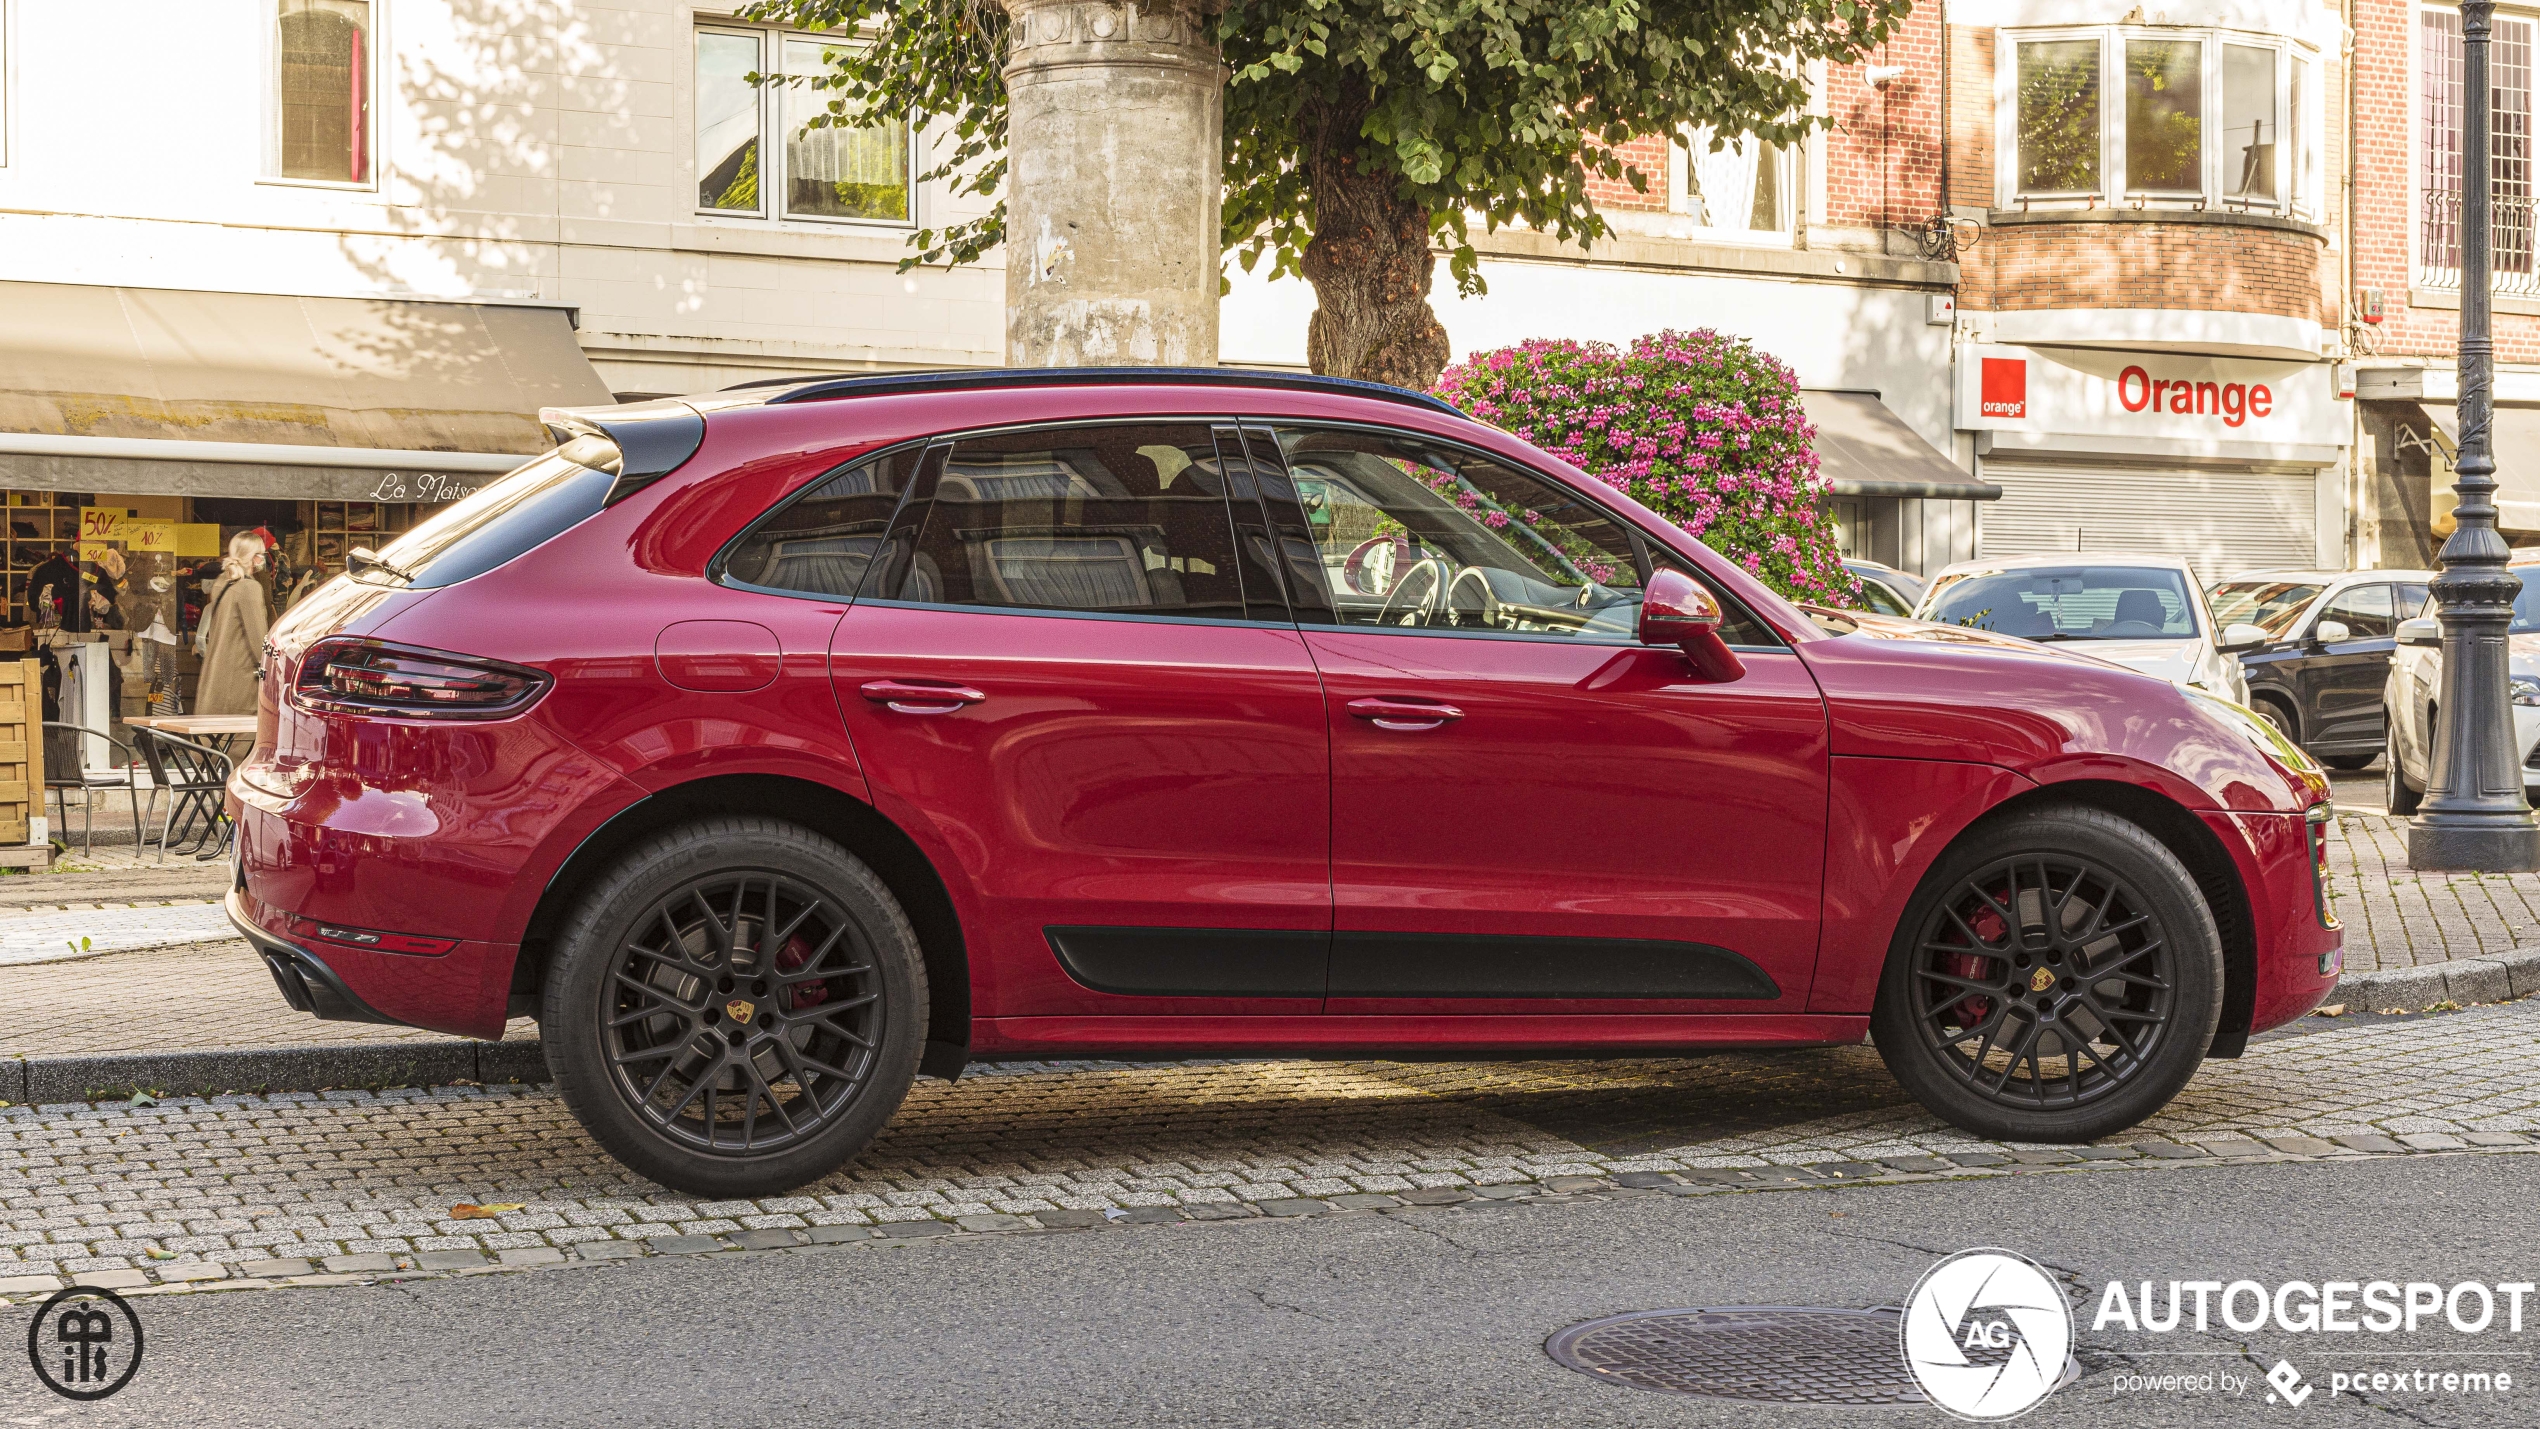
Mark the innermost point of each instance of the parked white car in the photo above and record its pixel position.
(2408, 699)
(2147, 613)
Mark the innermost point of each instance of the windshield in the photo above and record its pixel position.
(2072, 603)
(2272, 606)
(523, 510)
(2526, 604)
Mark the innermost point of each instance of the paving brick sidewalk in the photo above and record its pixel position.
(274, 1186)
(2398, 918)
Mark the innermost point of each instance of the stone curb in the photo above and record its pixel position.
(2461, 980)
(37, 1080)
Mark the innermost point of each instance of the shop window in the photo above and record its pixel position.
(1745, 188)
(323, 64)
(2194, 118)
(815, 164)
(2441, 95)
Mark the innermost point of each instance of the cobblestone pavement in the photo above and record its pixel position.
(177, 999)
(77, 883)
(318, 1188)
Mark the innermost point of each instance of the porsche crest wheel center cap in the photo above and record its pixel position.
(740, 1009)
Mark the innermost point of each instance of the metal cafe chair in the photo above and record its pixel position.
(59, 784)
(194, 777)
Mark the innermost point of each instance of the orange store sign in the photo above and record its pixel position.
(2068, 391)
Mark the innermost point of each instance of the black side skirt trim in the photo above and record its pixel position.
(1195, 962)
(1249, 962)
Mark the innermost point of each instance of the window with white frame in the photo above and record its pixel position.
(1744, 189)
(2158, 116)
(777, 150)
(2441, 94)
(324, 62)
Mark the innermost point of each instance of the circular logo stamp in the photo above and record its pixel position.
(85, 1343)
(1986, 1334)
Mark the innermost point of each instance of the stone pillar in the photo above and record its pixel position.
(1113, 161)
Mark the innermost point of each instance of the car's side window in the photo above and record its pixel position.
(1415, 534)
(821, 542)
(2366, 612)
(2414, 600)
(1127, 519)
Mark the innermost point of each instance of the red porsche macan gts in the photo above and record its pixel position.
(775, 746)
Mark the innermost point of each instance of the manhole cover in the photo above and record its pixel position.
(1778, 1354)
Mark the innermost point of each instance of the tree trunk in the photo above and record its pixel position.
(1370, 264)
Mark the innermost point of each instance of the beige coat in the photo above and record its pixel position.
(234, 621)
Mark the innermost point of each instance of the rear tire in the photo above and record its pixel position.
(2056, 978)
(2274, 713)
(2396, 791)
(737, 1009)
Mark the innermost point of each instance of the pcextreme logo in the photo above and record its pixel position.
(1987, 1334)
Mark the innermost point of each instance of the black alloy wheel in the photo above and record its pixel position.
(745, 1013)
(2058, 977)
(736, 1008)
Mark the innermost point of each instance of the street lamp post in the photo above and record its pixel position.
(2474, 815)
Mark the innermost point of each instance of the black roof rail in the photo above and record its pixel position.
(953, 379)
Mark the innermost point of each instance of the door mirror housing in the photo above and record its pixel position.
(2331, 632)
(2241, 635)
(1675, 610)
(2423, 630)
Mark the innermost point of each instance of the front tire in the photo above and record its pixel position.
(2057, 978)
(737, 1008)
(2401, 799)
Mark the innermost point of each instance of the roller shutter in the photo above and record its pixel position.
(2223, 520)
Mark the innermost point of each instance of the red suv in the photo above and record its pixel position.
(773, 747)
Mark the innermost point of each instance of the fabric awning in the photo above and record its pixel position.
(1864, 449)
(2514, 436)
(257, 394)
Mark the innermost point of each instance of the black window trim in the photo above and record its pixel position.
(1643, 543)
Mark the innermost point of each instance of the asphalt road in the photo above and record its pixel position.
(1417, 1317)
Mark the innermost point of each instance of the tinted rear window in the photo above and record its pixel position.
(524, 510)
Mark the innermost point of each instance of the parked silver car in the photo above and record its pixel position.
(2409, 698)
(2147, 613)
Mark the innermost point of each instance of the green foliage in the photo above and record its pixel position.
(1501, 108)
(2059, 117)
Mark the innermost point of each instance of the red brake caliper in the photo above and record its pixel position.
(796, 952)
(1989, 926)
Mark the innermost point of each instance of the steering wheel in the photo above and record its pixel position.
(1485, 610)
(1371, 565)
(1416, 592)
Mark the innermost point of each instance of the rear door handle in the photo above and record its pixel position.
(1405, 716)
(909, 697)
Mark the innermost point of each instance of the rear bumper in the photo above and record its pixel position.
(463, 992)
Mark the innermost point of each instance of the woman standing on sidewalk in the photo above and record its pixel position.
(235, 615)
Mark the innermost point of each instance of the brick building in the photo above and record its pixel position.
(2408, 109)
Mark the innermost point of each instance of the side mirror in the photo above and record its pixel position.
(2330, 632)
(1676, 611)
(2423, 630)
(2241, 635)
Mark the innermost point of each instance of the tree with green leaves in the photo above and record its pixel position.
(1360, 134)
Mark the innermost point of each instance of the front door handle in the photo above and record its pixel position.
(1406, 716)
(909, 697)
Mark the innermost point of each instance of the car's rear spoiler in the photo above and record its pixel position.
(653, 439)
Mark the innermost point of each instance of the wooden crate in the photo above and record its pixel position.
(21, 749)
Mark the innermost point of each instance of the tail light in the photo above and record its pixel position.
(351, 676)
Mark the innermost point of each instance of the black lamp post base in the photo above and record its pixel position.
(2474, 843)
